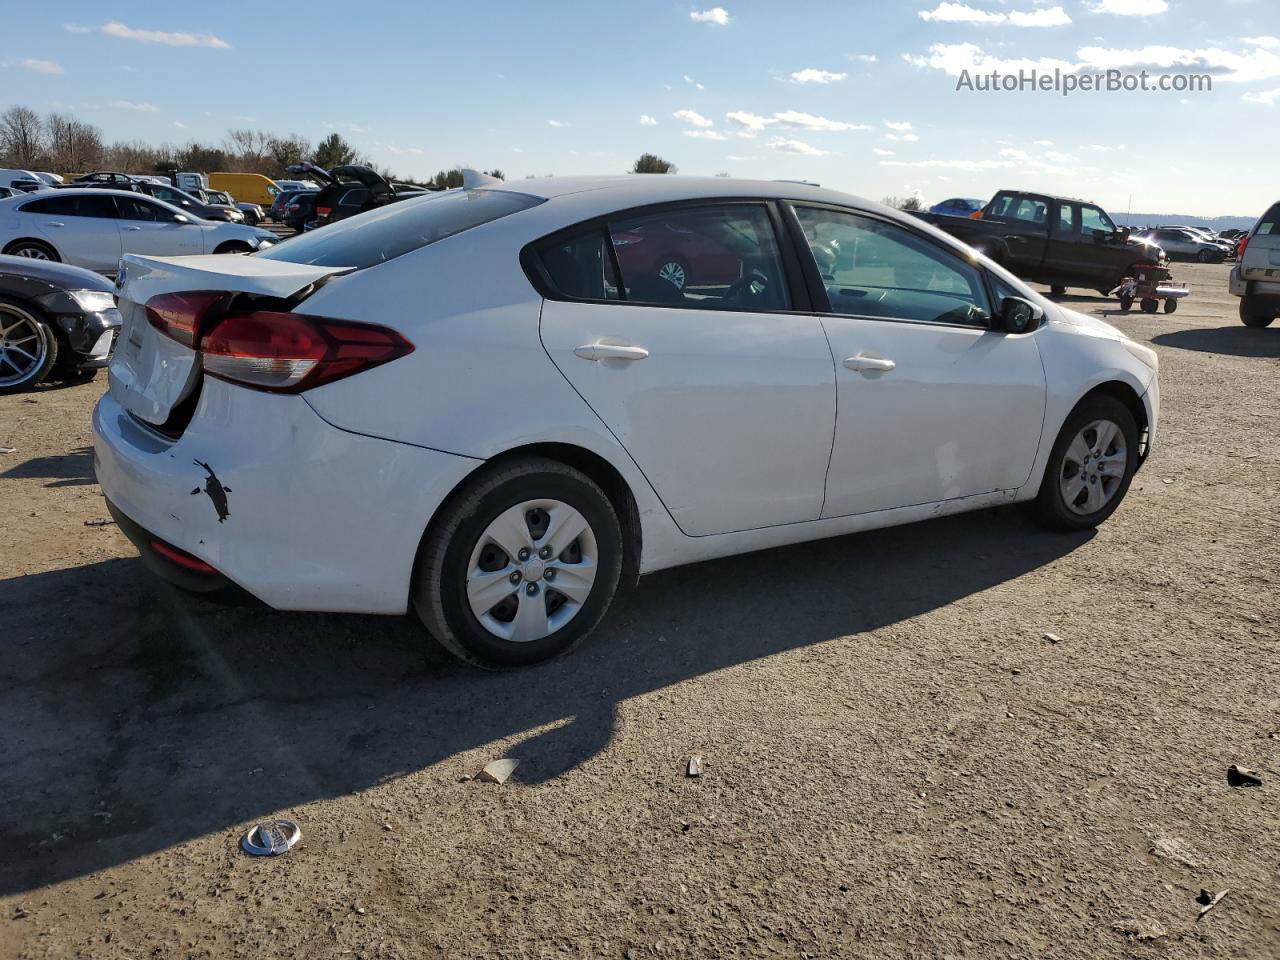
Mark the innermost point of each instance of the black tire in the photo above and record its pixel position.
(1150, 306)
(1050, 507)
(1250, 316)
(440, 580)
(79, 376)
(234, 246)
(1126, 304)
(44, 347)
(1205, 256)
(1171, 306)
(35, 249)
(1058, 291)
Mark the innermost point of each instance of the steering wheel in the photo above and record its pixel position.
(754, 284)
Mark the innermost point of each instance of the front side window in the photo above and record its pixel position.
(135, 208)
(1094, 221)
(713, 257)
(871, 268)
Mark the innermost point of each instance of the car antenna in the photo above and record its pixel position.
(474, 178)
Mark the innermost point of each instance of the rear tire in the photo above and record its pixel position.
(500, 606)
(1204, 256)
(1058, 291)
(1251, 317)
(28, 347)
(1126, 304)
(1150, 305)
(1058, 505)
(34, 249)
(1171, 306)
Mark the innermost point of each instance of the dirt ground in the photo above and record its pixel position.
(898, 762)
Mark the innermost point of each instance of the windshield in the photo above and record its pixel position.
(393, 230)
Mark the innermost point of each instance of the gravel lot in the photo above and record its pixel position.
(897, 762)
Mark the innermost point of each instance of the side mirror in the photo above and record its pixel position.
(179, 218)
(1019, 316)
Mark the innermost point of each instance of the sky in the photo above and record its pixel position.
(856, 95)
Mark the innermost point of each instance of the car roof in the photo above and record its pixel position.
(91, 191)
(641, 189)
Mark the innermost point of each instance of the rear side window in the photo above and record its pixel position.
(1011, 207)
(74, 205)
(354, 198)
(398, 228)
(580, 266)
(1269, 225)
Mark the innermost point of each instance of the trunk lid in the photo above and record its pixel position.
(150, 373)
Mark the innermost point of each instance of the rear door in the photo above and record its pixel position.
(1261, 260)
(80, 225)
(719, 389)
(1027, 238)
(147, 227)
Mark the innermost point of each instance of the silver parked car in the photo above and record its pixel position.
(1255, 278)
(1180, 243)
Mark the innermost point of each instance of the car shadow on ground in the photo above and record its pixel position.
(1234, 341)
(136, 720)
(69, 470)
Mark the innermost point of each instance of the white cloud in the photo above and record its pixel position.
(900, 127)
(955, 58)
(399, 151)
(42, 66)
(117, 29)
(949, 12)
(814, 75)
(1268, 98)
(970, 166)
(783, 145)
(558, 124)
(716, 15)
(179, 124)
(880, 152)
(753, 123)
(1044, 143)
(1271, 43)
(136, 107)
(693, 117)
(705, 134)
(648, 121)
(1258, 65)
(1131, 8)
(864, 57)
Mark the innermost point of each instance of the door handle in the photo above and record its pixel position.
(610, 351)
(130, 228)
(868, 363)
(55, 223)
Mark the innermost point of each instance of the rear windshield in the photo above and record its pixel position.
(1269, 225)
(398, 228)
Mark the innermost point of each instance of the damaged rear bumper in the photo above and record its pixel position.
(259, 487)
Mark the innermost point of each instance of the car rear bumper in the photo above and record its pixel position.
(1240, 287)
(299, 513)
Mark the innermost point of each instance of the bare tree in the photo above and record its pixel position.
(22, 141)
(74, 146)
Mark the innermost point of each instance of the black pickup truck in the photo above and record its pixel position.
(1053, 240)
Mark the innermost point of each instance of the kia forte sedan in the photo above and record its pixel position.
(472, 405)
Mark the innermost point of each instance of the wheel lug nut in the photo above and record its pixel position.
(515, 577)
(545, 553)
(549, 576)
(531, 589)
(524, 554)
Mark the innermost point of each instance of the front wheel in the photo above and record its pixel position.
(1091, 466)
(28, 347)
(1126, 304)
(1058, 291)
(522, 565)
(1205, 256)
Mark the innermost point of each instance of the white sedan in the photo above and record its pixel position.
(94, 228)
(496, 406)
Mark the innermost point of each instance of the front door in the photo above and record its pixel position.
(723, 397)
(931, 404)
(148, 228)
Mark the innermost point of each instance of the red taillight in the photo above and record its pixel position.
(324, 211)
(1244, 245)
(178, 315)
(289, 352)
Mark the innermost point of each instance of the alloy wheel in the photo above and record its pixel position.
(32, 252)
(674, 273)
(1093, 467)
(532, 570)
(22, 346)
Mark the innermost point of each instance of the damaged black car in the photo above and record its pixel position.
(56, 322)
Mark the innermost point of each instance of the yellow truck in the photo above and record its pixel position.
(246, 187)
